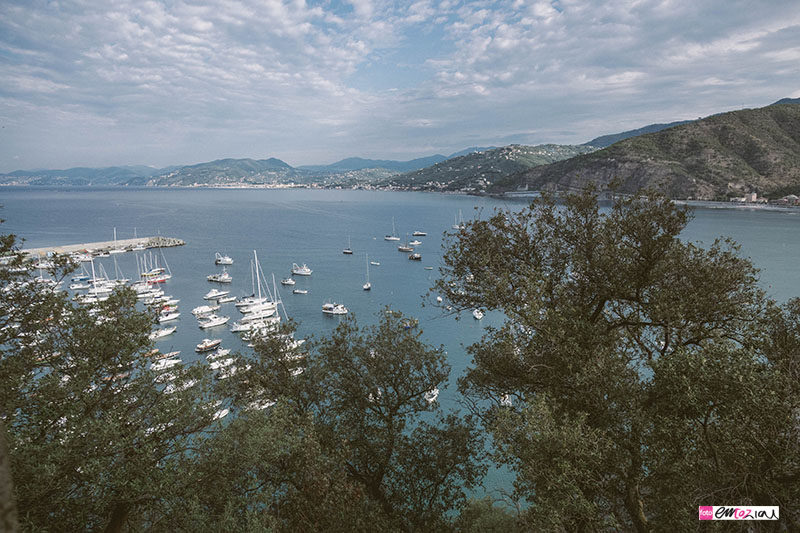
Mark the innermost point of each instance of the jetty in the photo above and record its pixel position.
(105, 246)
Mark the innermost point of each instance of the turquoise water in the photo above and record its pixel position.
(312, 227)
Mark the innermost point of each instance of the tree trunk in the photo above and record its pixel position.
(8, 506)
(118, 517)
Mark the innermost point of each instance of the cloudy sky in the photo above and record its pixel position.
(115, 82)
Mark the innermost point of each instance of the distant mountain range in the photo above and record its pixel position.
(353, 171)
(751, 150)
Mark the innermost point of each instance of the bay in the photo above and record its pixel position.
(308, 226)
(312, 226)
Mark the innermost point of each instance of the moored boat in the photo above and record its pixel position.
(301, 270)
(220, 259)
(221, 277)
(332, 308)
(213, 294)
(207, 345)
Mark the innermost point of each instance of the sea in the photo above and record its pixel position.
(312, 226)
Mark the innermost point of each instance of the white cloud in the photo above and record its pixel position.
(389, 77)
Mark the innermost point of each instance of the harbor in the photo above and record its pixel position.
(125, 245)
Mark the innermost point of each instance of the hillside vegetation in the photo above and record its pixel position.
(478, 171)
(752, 150)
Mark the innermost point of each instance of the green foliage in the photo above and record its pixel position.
(97, 441)
(648, 375)
(364, 389)
(736, 152)
(483, 516)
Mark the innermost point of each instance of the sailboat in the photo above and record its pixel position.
(405, 247)
(116, 250)
(139, 246)
(459, 221)
(348, 250)
(393, 236)
(367, 286)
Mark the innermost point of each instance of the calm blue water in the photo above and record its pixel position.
(313, 226)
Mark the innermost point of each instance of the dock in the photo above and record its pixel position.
(105, 246)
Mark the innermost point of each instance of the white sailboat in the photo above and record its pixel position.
(459, 221)
(393, 236)
(367, 286)
(348, 250)
(116, 250)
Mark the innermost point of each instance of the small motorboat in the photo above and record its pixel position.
(419, 234)
(288, 281)
(333, 308)
(220, 259)
(301, 270)
(204, 310)
(213, 294)
(163, 332)
(432, 395)
(222, 277)
(477, 314)
(300, 291)
(415, 257)
(415, 243)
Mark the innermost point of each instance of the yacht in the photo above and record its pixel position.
(220, 259)
(222, 277)
(164, 364)
(207, 345)
(301, 270)
(157, 334)
(300, 291)
(288, 281)
(226, 299)
(166, 317)
(419, 234)
(415, 257)
(334, 309)
(213, 294)
(415, 242)
(247, 301)
(204, 310)
(212, 321)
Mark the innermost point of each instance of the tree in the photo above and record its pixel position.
(94, 435)
(630, 357)
(364, 391)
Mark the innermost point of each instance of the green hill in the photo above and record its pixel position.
(478, 171)
(752, 150)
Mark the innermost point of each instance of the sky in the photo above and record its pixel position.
(143, 82)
